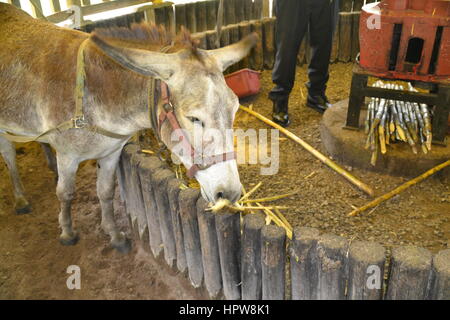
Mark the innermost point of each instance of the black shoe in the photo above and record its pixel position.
(280, 112)
(319, 103)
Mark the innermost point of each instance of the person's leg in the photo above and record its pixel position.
(322, 25)
(290, 28)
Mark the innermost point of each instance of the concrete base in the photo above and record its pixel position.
(347, 146)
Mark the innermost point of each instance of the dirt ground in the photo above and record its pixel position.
(33, 264)
(419, 216)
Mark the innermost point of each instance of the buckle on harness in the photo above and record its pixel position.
(79, 122)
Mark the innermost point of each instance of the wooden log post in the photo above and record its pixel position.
(331, 259)
(409, 273)
(304, 271)
(335, 45)
(228, 238)
(301, 56)
(160, 182)
(358, 4)
(160, 17)
(345, 5)
(251, 273)
(240, 11)
(247, 5)
(139, 205)
(200, 8)
(225, 36)
(225, 41)
(191, 20)
(173, 191)
(257, 9)
(131, 199)
(273, 262)
(229, 12)
(440, 276)
(187, 202)
(148, 167)
(202, 41)
(211, 36)
(244, 30)
(257, 54)
(355, 35)
(180, 17)
(365, 271)
(234, 37)
(211, 14)
(268, 42)
(170, 19)
(345, 40)
(210, 249)
(266, 8)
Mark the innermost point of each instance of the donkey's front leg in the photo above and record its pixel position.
(65, 190)
(106, 169)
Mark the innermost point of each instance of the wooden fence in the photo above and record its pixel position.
(240, 18)
(247, 259)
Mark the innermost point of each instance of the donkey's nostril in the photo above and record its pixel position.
(219, 195)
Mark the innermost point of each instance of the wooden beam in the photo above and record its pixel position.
(100, 7)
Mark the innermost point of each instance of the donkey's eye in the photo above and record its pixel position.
(196, 120)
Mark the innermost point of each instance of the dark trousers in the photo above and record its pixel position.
(293, 19)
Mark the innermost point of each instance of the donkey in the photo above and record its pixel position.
(37, 84)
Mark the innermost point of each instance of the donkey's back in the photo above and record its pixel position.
(37, 68)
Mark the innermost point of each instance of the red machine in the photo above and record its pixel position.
(412, 40)
(406, 40)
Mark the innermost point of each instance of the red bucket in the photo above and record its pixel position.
(244, 82)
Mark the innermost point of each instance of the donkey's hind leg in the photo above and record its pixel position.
(50, 157)
(106, 169)
(65, 191)
(8, 153)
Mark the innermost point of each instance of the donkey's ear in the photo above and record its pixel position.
(231, 54)
(149, 63)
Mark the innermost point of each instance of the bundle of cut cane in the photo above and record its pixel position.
(244, 206)
(391, 120)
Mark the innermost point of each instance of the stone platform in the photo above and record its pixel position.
(347, 146)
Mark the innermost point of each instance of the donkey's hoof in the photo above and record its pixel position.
(123, 246)
(22, 206)
(69, 240)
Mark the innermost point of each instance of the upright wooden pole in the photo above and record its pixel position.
(191, 20)
(173, 191)
(228, 236)
(187, 202)
(304, 270)
(251, 274)
(409, 274)
(440, 276)
(331, 258)
(365, 271)
(273, 261)
(147, 168)
(160, 181)
(210, 249)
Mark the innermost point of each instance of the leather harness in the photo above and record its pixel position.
(167, 114)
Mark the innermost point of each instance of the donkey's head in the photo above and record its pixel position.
(204, 105)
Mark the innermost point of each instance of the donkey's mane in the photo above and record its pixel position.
(148, 36)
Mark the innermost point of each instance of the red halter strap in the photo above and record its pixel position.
(168, 113)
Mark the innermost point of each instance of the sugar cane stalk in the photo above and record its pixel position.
(399, 189)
